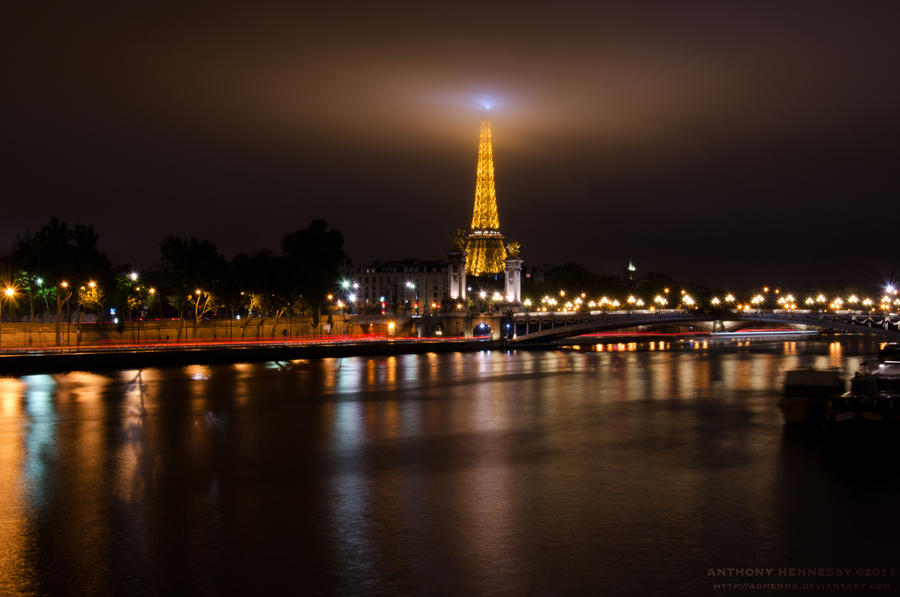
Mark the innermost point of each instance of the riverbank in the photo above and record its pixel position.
(131, 357)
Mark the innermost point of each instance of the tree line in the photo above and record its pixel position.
(60, 269)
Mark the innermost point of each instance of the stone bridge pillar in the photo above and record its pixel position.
(514, 280)
(457, 273)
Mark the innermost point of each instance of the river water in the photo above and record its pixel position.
(621, 471)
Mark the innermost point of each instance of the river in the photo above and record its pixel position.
(620, 471)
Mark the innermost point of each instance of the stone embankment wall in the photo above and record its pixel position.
(24, 334)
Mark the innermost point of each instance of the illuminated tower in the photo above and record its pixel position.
(485, 253)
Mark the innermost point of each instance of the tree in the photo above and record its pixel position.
(189, 265)
(314, 257)
(57, 257)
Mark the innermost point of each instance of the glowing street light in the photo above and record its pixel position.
(133, 276)
(9, 293)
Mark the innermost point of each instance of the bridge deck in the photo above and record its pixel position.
(545, 327)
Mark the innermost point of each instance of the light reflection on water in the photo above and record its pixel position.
(530, 472)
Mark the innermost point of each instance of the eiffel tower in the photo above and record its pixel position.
(485, 253)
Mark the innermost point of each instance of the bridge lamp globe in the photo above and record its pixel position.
(639, 303)
(890, 289)
(716, 300)
(729, 298)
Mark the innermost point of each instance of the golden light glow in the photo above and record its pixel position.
(485, 251)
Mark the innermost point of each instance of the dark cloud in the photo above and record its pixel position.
(728, 141)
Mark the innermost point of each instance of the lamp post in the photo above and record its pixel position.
(9, 293)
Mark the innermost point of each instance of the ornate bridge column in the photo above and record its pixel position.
(457, 273)
(513, 280)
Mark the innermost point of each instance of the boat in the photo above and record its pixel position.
(871, 409)
(806, 394)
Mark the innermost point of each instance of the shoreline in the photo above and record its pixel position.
(12, 365)
(139, 357)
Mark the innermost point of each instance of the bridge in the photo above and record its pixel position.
(547, 327)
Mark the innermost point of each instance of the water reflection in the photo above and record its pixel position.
(535, 472)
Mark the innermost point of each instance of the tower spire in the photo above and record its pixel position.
(485, 250)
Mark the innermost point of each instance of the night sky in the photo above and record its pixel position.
(721, 142)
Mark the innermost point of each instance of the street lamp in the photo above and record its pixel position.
(9, 293)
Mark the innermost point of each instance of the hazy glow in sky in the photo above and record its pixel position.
(712, 137)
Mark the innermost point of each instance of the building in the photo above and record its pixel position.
(485, 249)
(414, 285)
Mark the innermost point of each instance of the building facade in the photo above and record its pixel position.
(407, 285)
